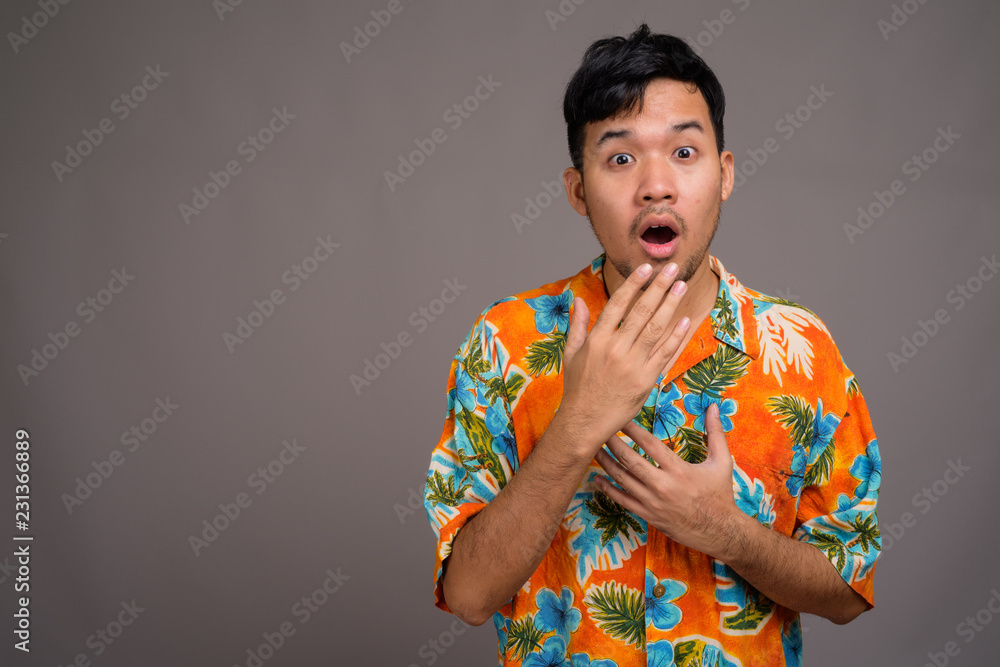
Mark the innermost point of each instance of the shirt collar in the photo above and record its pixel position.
(730, 320)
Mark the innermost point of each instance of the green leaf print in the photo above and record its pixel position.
(619, 611)
(831, 546)
(727, 318)
(514, 384)
(796, 415)
(482, 444)
(523, 637)
(443, 490)
(612, 518)
(692, 445)
(545, 356)
(750, 617)
(714, 375)
(868, 532)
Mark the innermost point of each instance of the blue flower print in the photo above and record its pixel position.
(497, 423)
(553, 654)
(697, 405)
(797, 471)
(503, 626)
(465, 390)
(583, 660)
(823, 429)
(551, 312)
(661, 613)
(844, 502)
(791, 644)
(668, 418)
(659, 654)
(867, 468)
(556, 614)
(751, 498)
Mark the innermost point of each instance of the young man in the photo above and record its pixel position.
(743, 473)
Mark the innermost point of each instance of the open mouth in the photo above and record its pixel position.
(659, 235)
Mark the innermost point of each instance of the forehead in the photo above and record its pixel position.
(666, 103)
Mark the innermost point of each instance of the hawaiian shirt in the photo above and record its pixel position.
(611, 590)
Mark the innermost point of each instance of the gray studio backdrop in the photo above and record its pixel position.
(216, 213)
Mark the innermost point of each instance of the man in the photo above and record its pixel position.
(741, 474)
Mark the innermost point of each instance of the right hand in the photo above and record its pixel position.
(608, 373)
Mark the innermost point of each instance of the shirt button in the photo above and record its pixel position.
(659, 590)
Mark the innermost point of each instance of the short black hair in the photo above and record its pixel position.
(613, 76)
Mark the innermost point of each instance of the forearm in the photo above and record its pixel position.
(498, 549)
(793, 574)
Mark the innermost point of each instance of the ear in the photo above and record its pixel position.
(728, 173)
(573, 180)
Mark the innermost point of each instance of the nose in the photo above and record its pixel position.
(657, 183)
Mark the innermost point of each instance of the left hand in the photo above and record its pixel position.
(690, 503)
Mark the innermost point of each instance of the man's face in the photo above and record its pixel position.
(653, 183)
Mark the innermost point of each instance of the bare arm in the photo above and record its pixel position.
(615, 368)
(693, 504)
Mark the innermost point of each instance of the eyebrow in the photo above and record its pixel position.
(627, 134)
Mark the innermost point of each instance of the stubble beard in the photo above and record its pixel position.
(687, 268)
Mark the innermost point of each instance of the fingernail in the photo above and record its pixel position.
(670, 270)
(684, 323)
(644, 270)
(679, 287)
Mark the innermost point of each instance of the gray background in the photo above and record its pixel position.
(342, 502)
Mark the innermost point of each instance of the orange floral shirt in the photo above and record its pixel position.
(612, 591)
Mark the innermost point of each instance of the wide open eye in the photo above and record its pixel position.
(684, 153)
(621, 158)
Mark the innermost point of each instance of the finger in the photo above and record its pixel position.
(641, 323)
(618, 303)
(657, 450)
(619, 496)
(661, 356)
(637, 467)
(622, 476)
(576, 334)
(611, 465)
(718, 448)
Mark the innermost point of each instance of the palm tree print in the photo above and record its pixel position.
(612, 518)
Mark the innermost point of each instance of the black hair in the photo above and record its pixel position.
(613, 76)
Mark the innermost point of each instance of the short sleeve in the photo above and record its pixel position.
(837, 509)
(476, 454)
